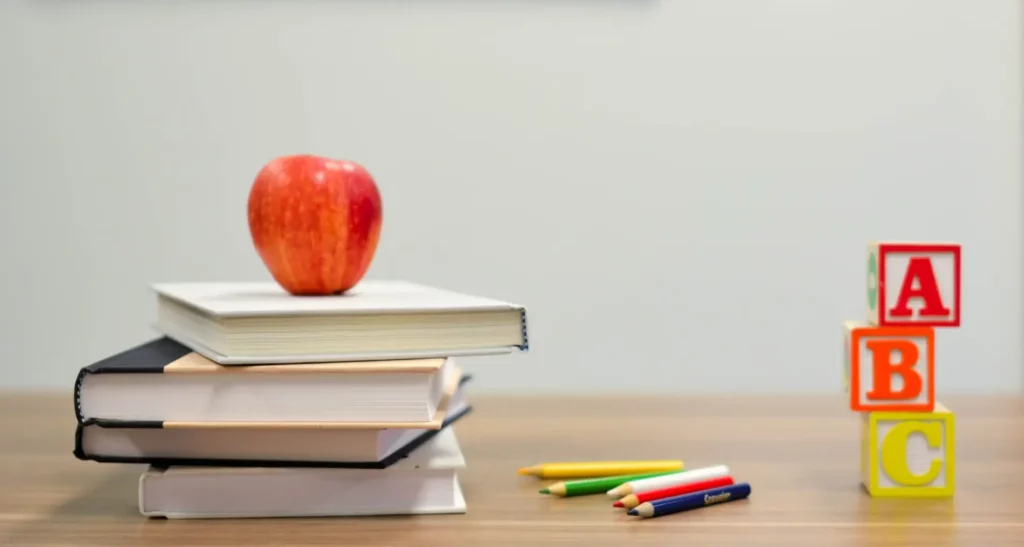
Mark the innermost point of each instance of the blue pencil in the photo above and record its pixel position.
(685, 502)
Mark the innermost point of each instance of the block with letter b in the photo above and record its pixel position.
(891, 368)
(909, 454)
(848, 328)
(914, 284)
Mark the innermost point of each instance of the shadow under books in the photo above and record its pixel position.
(113, 501)
(105, 498)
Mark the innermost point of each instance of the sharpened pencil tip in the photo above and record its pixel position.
(524, 470)
(633, 512)
(617, 504)
(545, 491)
(613, 493)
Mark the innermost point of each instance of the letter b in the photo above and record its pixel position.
(884, 367)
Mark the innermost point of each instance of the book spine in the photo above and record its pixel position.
(78, 394)
(79, 450)
(526, 337)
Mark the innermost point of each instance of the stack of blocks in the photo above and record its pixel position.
(907, 436)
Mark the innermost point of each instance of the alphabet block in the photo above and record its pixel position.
(892, 368)
(848, 328)
(914, 284)
(909, 454)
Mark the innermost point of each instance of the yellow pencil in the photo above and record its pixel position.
(576, 470)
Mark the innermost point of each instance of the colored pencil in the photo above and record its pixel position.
(633, 500)
(686, 502)
(599, 485)
(588, 470)
(665, 481)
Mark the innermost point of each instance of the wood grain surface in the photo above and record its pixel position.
(799, 455)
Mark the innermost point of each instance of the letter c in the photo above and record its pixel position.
(894, 452)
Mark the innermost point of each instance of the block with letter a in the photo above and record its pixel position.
(914, 284)
(891, 368)
(909, 454)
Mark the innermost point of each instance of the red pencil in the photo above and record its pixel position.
(633, 500)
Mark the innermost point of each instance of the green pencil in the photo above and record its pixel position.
(599, 485)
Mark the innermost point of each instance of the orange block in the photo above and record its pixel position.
(892, 368)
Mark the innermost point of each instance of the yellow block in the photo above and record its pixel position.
(909, 454)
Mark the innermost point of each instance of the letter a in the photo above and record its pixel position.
(920, 269)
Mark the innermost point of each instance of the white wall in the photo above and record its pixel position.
(718, 166)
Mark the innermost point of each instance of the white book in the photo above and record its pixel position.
(277, 446)
(164, 382)
(259, 322)
(424, 483)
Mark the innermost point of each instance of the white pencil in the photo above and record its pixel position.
(665, 481)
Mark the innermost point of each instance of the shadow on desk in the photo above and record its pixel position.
(100, 502)
(106, 513)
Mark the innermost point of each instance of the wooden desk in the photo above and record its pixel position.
(800, 456)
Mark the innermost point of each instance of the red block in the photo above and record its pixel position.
(914, 284)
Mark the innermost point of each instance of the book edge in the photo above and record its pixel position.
(242, 360)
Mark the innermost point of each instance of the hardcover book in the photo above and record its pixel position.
(126, 442)
(424, 483)
(164, 384)
(260, 323)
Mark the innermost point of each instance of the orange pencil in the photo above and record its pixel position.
(633, 500)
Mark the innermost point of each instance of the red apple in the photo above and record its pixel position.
(315, 222)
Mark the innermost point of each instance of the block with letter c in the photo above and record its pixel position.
(909, 454)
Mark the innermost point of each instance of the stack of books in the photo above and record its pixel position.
(257, 403)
